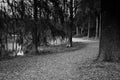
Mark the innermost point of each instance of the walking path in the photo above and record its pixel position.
(60, 66)
(83, 40)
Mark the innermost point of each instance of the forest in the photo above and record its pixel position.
(59, 40)
(31, 23)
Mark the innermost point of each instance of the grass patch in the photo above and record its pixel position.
(52, 49)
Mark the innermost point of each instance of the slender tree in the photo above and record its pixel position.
(71, 23)
(35, 28)
(97, 27)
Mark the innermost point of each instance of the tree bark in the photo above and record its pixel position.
(6, 42)
(35, 28)
(88, 35)
(0, 44)
(70, 38)
(110, 43)
(81, 31)
(23, 9)
(71, 23)
(96, 35)
(100, 25)
(109, 48)
(77, 30)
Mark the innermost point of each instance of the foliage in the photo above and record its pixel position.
(54, 17)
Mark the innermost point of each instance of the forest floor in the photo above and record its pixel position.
(61, 63)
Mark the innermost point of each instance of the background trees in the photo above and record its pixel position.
(33, 20)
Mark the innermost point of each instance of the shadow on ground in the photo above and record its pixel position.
(52, 49)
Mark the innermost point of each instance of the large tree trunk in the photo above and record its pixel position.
(110, 33)
(110, 43)
(110, 39)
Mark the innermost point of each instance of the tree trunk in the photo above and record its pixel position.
(70, 38)
(96, 35)
(13, 38)
(6, 42)
(77, 30)
(71, 23)
(88, 35)
(7, 37)
(100, 26)
(0, 44)
(109, 48)
(36, 41)
(35, 28)
(110, 43)
(23, 9)
(81, 31)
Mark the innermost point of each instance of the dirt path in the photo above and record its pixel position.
(48, 67)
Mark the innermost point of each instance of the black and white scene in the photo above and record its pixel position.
(59, 40)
